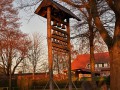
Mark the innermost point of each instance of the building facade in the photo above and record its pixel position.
(81, 65)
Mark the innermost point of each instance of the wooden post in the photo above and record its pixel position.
(50, 61)
(69, 57)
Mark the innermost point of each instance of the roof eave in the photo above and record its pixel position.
(46, 3)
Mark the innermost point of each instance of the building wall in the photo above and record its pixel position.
(102, 68)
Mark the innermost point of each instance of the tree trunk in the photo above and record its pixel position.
(92, 65)
(34, 70)
(92, 59)
(10, 78)
(115, 58)
(113, 45)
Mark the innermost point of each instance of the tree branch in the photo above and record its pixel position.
(103, 32)
(111, 5)
(75, 5)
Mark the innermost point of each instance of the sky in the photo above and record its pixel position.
(32, 24)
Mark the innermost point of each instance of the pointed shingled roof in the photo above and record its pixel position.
(57, 10)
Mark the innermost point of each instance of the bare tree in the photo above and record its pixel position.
(37, 53)
(12, 52)
(8, 16)
(112, 43)
(13, 49)
(87, 33)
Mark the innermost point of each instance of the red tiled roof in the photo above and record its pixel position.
(82, 60)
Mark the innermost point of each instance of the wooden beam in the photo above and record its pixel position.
(43, 14)
(59, 38)
(59, 30)
(50, 58)
(59, 50)
(59, 20)
(59, 46)
(69, 58)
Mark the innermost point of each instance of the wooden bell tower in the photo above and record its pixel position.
(58, 33)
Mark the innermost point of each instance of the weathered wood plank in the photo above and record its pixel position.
(50, 58)
(59, 50)
(69, 58)
(59, 30)
(59, 46)
(59, 38)
(58, 20)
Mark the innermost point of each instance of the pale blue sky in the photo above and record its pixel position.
(35, 24)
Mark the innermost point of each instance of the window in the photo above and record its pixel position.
(95, 65)
(105, 65)
(100, 65)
